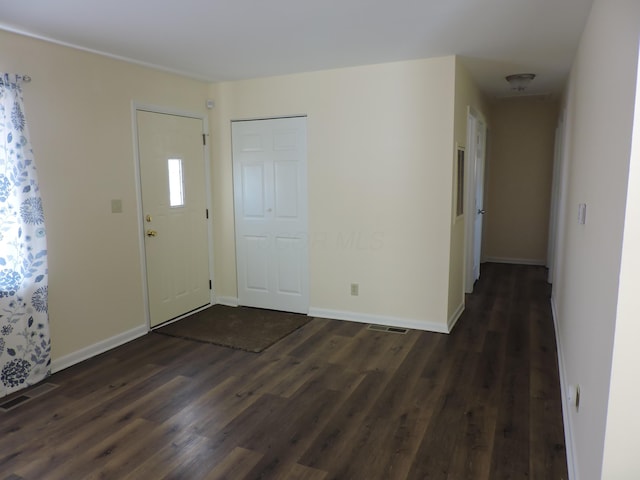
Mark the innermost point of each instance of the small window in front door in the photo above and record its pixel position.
(176, 185)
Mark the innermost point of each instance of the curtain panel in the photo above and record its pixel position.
(24, 325)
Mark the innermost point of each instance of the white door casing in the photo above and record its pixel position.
(270, 201)
(479, 194)
(174, 211)
(555, 194)
(476, 141)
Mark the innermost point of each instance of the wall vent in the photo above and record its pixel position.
(21, 398)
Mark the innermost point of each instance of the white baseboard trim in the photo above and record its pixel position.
(228, 301)
(97, 348)
(378, 320)
(455, 317)
(564, 389)
(515, 261)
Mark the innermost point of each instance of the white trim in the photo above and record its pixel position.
(378, 320)
(475, 121)
(566, 121)
(453, 319)
(147, 107)
(182, 73)
(98, 348)
(274, 117)
(209, 189)
(553, 209)
(469, 205)
(228, 301)
(135, 107)
(456, 172)
(515, 261)
(269, 298)
(564, 389)
(140, 215)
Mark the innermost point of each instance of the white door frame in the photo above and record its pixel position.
(555, 191)
(306, 212)
(560, 204)
(135, 107)
(473, 118)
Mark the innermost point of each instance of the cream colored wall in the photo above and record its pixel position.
(378, 159)
(467, 95)
(380, 169)
(518, 192)
(79, 112)
(600, 102)
(621, 460)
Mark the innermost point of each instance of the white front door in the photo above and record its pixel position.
(270, 199)
(174, 206)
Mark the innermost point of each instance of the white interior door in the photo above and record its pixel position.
(476, 141)
(174, 206)
(270, 197)
(479, 196)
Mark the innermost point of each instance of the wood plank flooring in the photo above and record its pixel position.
(331, 401)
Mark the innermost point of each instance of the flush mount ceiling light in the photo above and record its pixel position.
(520, 81)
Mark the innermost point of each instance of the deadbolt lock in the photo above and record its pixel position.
(148, 218)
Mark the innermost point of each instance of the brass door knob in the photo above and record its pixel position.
(151, 233)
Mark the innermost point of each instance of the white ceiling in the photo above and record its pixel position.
(219, 40)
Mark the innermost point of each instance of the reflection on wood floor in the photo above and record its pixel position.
(334, 400)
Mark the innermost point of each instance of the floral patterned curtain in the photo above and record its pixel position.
(24, 325)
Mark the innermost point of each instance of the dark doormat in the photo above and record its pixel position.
(244, 328)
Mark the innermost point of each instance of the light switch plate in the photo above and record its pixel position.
(116, 205)
(582, 213)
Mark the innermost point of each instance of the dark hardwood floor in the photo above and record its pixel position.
(331, 401)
